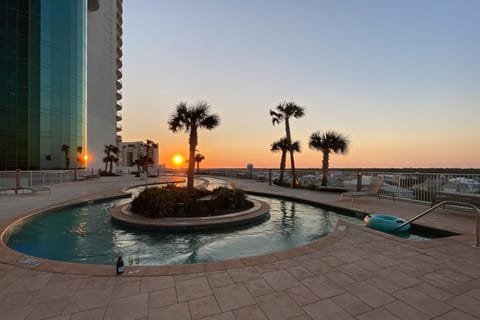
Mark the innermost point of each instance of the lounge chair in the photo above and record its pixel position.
(373, 189)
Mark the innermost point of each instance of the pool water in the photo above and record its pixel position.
(85, 234)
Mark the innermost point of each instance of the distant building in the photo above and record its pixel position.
(104, 78)
(132, 151)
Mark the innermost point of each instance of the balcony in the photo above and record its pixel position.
(119, 95)
(119, 106)
(119, 84)
(119, 127)
(119, 63)
(119, 116)
(119, 74)
(119, 52)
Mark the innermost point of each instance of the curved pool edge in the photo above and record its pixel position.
(256, 214)
(14, 258)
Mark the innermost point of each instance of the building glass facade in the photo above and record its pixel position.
(42, 84)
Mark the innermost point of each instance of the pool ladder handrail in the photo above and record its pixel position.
(451, 202)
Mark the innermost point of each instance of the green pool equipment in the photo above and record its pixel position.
(386, 223)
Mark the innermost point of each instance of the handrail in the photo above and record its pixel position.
(443, 203)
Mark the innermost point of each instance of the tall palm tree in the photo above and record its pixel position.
(190, 119)
(284, 112)
(282, 145)
(66, 150)
(329, 141)
(111, 152)
(199, 158)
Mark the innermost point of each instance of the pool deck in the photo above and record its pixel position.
(354, 273)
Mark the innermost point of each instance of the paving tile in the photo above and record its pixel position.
(156, 283)
(323, 287)
(17, 300)
(318, 267)
(377, 314)
(339, 278)
(285, 264)
(281, 280)
(369, 294)
(384, 284)
(96, 314)
(266, 267)
(351, 304)
(131, 307)
(326, 310)
(250, 313)
(433, 291)
(302, 295)
(397, 277)
(302, 317)
(466, 303)
(203, 307)
(404, 311)
(96, 283)
(16, 313)
(57, 289)
(88, 299)
(422, 302)
(279, 306)
(221, 316)
(300, 272)
(332, 261)
(347, 256)
(355, 272)
(193, 288)
(161, 298)
(244, 274)
(48, 309)
(474, 293)
(258, 287)
(28, 283)
(178, 311)
(219, 279)
(126, 289)
(233, 297)
(456, 315)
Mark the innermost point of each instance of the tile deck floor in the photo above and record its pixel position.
(354, 273)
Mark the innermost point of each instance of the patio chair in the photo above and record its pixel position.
(373, 189)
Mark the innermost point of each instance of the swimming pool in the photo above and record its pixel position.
(85, 234)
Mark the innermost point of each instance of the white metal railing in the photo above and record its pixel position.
(414, 186)
(8, 179)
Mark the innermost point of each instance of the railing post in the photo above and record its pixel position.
(269, 177)
(359, 181)
(17, 180)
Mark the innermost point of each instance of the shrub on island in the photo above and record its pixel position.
(173, 201)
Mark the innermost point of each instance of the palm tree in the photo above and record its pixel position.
(328, 142)
(111, 156)
(190, 119)
(284, 112)
(149, 144)
(282, 145)
(199, 158)
(66, 149)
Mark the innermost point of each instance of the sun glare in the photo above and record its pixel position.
(177, 159)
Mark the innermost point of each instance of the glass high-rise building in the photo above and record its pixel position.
(42, 84)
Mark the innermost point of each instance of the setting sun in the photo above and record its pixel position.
(177, 159)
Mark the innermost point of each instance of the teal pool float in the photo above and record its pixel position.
(386, 223)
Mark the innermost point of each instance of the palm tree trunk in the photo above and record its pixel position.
(290, 149)
(191, 158)
(283, 161)
(198, 167)
(326, 155)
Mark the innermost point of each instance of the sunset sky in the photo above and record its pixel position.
(401, 79)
